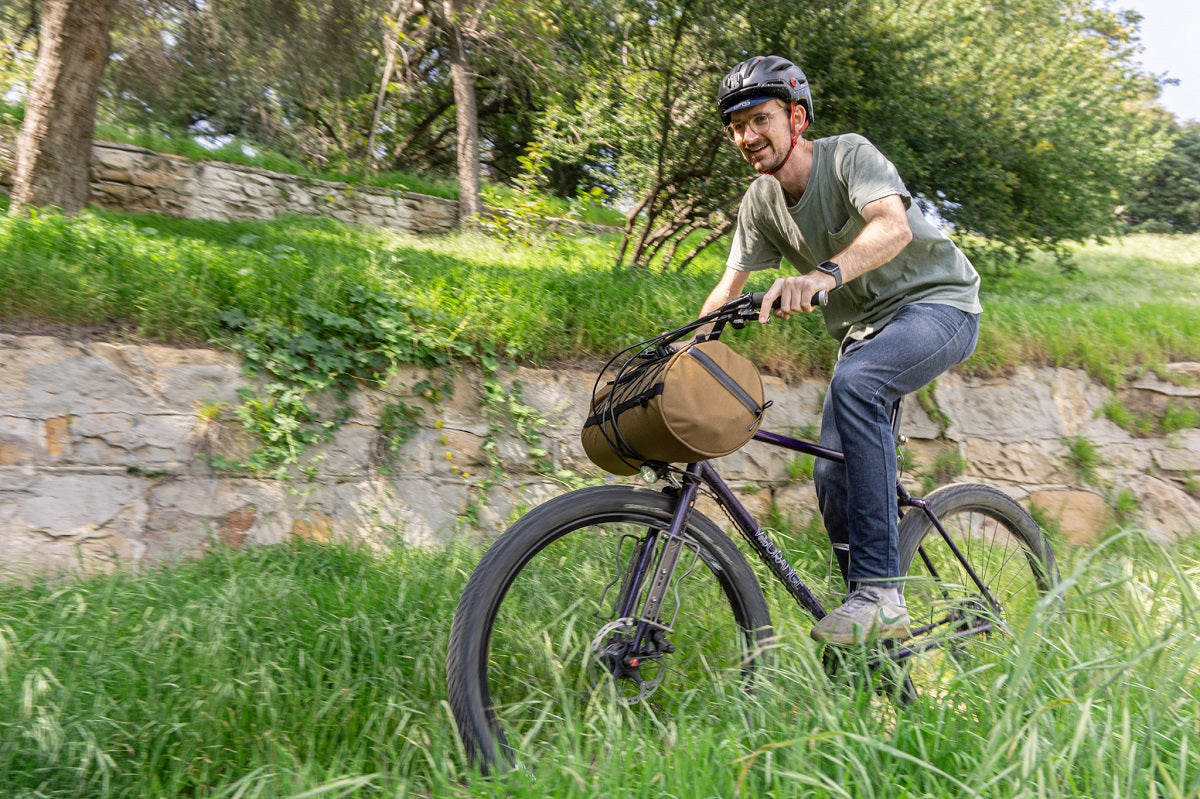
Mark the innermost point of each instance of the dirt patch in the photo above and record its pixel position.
(111, 332)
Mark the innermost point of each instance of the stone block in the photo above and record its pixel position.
(119, 194)
(514, 456)
(1077, 400)
(109, 158)
(364, 511)
(1031, 462)
(916, 423)
(71, 503)
(758, 462)
(22, 441)
(109, 175)
(466, 447)
(1020, 408)
(17, 480)
(505, 504)
(1186, 383)
(156, 180)
(67, 381)
(30, 552)
(348, 455)
(562, 396)
(380, 200)
(1082, 516)
(462, 405)
(186, 516)
(794, 407)
(427, 510)
(1127, 453)
(1185, 373)
(798, 500)
(318, 527)
(1180, 454)
(1166, 512)
(149, 442)
(193, 377)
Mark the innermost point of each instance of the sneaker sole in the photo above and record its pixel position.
(857, 637)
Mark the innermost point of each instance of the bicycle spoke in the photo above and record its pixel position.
(546, 623)
(959, 625)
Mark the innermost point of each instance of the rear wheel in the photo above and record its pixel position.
(549, 634)
(963, 625)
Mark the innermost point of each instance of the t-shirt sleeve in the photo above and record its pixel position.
(751, 249)
(868, 174)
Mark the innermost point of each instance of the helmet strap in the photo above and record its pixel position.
(795, 138)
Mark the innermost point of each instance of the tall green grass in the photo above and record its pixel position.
(1130, 305)
(167, 279)
(306, 670)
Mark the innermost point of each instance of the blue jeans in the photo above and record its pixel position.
(858, 498)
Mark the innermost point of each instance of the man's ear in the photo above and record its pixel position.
(802, 118)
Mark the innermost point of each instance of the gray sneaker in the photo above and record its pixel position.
(867, 614)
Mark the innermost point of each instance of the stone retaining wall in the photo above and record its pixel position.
(130, 178)
(102, 456)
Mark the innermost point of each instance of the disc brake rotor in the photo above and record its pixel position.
(635, 676)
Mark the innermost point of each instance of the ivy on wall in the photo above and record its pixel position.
(326, 353)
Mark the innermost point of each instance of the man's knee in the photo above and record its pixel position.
(854, 387)
(827, 474)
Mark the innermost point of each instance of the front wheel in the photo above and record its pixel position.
(965, 617)
(550, 631)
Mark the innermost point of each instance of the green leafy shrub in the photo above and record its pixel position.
(335, 351)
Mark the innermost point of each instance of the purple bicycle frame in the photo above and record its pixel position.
(773, 557)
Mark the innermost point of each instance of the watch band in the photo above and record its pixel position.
(832, 269)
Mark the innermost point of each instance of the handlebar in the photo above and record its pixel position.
(821, 299)
(737, 312)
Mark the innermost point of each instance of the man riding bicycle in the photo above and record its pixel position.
(903, 302)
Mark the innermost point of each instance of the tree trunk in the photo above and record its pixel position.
(393, 25)
(470, 202)
(54, 149)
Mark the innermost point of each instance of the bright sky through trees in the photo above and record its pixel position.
(1169, 31)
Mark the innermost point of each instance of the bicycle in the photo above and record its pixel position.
(630, 593)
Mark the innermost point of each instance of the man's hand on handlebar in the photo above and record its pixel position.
(795, 294)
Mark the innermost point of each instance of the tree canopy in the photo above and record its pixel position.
(1168, 198)
(1026, 123)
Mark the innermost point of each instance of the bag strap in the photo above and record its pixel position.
(614, 412)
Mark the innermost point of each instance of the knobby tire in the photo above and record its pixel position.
(523, 657)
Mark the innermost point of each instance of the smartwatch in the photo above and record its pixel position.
(832, 269)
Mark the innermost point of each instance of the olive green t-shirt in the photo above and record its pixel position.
(848, 172)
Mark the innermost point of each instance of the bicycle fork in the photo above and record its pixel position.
(639, 629)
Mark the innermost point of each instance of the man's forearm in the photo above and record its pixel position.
(885, 235)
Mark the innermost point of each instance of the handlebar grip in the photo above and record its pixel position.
(821, 299)
(757, 297)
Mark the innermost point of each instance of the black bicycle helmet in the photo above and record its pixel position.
(758, 79)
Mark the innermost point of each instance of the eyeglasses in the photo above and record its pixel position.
(760, 123)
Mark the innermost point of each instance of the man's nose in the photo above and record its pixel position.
(750, 135)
